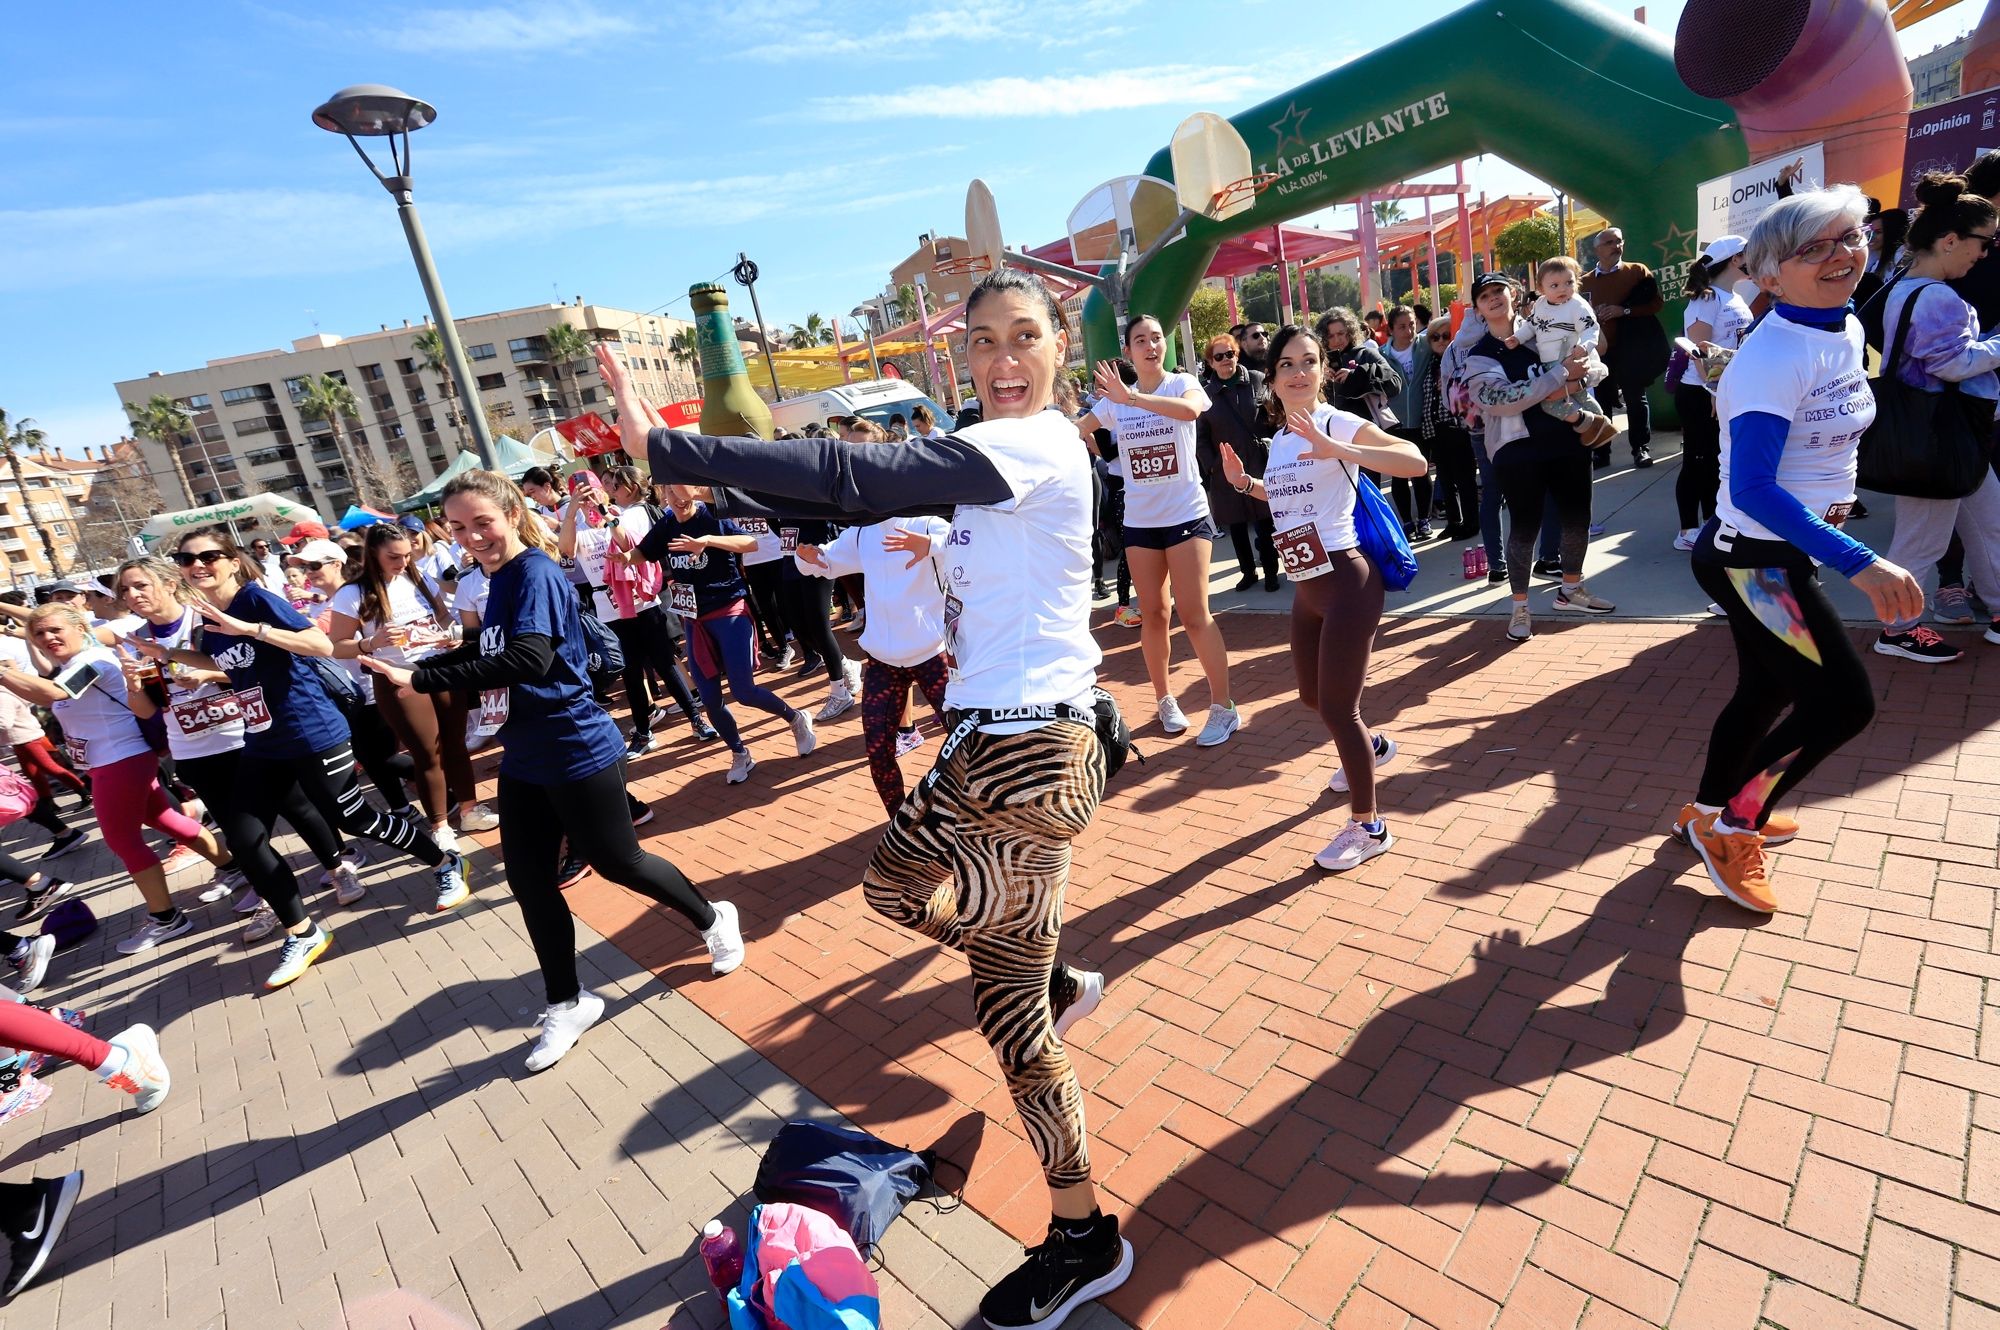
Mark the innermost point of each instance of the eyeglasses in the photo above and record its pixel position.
(1223, 355)
(312, 565)
(1440, 337)
(1985, 239)
(1819, 251)
(207, 558)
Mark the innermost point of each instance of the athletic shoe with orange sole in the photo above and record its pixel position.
(1778, 829)
(1735, 863)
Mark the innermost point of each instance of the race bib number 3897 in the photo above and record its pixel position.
(1152, 463)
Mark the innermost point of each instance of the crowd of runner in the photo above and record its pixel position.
(206, 692)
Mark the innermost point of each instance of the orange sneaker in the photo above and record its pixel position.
(1778, 829)
(1735, 862)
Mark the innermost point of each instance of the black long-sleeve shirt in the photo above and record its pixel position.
(463, 669)
(831, 478)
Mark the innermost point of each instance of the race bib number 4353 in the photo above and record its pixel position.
(1302, 551)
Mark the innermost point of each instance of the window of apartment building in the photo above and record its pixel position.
(211, 434)
(426, 424)
(493, 381)
(256, 392)
(419, 394)
(371, 373)
(406, 366)
(383, 402)
(359, 438)
(656, 339)
(62, 528)
(504, 410)
(528, 349)
(254, 425)
(484, 351)
(266, 456)
(395, 431)
(295, 386)
(199, 402)
(587, 396)
(632, 336)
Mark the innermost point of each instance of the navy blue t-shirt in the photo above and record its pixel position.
(714, 574)
(555, 731)
(286, 711)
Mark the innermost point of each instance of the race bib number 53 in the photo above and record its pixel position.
(1302, 551)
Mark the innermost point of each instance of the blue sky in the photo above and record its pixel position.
(169, 200)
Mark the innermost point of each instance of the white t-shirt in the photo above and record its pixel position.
(1560, 329)
(633, 522)
(1017, 573)
(592, 544)
(436, 564)
(1312, 500)
(905, 605)
(1405, 359)
(407, 608)
(471, 593)
(770, 546)
(1162, 486)
(1814, 379)
(98, 726)
(1727, 317)
(202, 718)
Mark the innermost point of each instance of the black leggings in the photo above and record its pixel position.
(766, 606)
(1266, 546)
(807, 602)
(1110, 539)
(1457, 477)
(647, 642)
(1701, 456)
(326, 778)
(377, 749)
(1530, 472)
(1400, 486)
(1781, 620)
(591, 812)
(214, 779)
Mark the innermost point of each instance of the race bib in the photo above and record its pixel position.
(788, 539)
(201, 714)
(1302, 551)
(256, 712)
(1152, 463)
(680, 599)
(1837, 514)
(493, 704)
(755, 526)
(78, 750)
(953, 607)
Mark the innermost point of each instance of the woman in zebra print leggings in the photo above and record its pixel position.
(978, 856)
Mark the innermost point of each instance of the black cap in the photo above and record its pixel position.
(1486, 279)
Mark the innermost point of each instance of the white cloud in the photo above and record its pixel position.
(1057, 94)
(506, 30)
(784, 30)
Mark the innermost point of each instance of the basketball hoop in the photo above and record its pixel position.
(962, 267)
(1235, 196)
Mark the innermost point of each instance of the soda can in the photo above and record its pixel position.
(1475, 561)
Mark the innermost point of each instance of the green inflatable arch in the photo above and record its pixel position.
(1585, 99)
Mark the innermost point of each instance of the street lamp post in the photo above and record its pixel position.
(371, 110)
(745, 272)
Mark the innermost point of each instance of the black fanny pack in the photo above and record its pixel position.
(1114, 737)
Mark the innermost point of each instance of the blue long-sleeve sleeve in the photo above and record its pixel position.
(1757, 440)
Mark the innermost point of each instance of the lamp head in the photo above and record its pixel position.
(373, 110)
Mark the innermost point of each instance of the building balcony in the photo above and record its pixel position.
(14, 546)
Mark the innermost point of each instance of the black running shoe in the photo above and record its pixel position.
(1058, 1277)
(62, 844)
(572, 872)
(40, 901)
(1550, 568)
(31, 1248)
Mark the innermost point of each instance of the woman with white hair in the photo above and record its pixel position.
(1793, 405)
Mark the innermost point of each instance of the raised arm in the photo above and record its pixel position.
(830, 478)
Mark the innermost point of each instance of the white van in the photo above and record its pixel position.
(873, 399)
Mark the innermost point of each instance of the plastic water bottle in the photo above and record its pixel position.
(722, 1253)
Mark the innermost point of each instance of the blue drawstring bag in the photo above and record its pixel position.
(1380, 534)
(607, 658)
(859, 1181)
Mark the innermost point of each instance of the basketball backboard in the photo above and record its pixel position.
(1121, 218)
(1212, 171)
(982, 234)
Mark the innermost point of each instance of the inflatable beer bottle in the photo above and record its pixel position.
(729, 405)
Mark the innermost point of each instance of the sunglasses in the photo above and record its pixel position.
(1985, 239)
(1223, 355)
(314, 565)
(207, 558)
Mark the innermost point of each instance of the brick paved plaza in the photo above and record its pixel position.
(1527, 1070)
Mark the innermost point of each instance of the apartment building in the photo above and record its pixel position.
(250, 438)
(45, 499)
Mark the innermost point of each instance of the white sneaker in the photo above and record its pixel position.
(740, 765)
(1353, 847)
(227, 881)
(34, 966)
(355, 856)
(262, 924)
(1089, 992)
(562, 1025)
(802, 731)
(1577, 597)
(144, 1076)
(1172, 719)
(476, 817)
(153, 933)
(347, 887)
(724, 939)
(1685, 540)
(839, 701)
(1222, 722)
(1520, 623)
(446, 838)
(1385, 753)
(452, 888)
(910, 740)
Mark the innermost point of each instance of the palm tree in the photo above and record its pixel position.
(429, 344)
(327, 398)
(166, 422)
(813, 332)
(567, 345)
(684, 347)
(1388, 212)
(16, 438)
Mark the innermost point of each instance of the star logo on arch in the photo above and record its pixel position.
(1290, 127)
(1677, 246)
